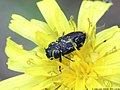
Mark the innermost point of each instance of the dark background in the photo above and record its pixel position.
(29, 10)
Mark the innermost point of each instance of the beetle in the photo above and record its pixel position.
(64, 45)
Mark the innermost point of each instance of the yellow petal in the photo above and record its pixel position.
(107, 70)
(40, 70)
(41, 25)
(80, 84)
(110, 59)
(108, 65)
(108, 46)
(54, 16)
(19, 59)
(26, 28)
(46, 83)
(91, 84)
(90, 12)
(114, 79)
(104, 35)
(21, 82)
(44, 26)
(44, 39)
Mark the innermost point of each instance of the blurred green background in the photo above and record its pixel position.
(29, 10)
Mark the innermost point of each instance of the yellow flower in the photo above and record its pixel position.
(95, 65)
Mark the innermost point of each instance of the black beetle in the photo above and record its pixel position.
(64, 44)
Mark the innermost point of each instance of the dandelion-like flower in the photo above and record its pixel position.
(95, 65)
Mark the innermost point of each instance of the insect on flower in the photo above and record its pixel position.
(64, 45)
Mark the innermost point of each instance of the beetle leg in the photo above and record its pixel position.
(68, 58)
(60, 59)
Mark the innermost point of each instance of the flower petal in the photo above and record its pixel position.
(21, 82)
(107, 70)
(110, 43)
(44, 39)
(108, 65)
(80, 84)
(54, 16)
(46, 83)
(42, 25)
(91, 84)
(19, 59)
(90, 12)
(114, 79)
(40, 70)
(26, 28)
(106, 34)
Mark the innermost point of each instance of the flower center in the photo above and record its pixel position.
(85, 68)
(82, 65)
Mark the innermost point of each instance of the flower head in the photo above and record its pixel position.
(95, 65)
